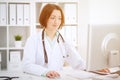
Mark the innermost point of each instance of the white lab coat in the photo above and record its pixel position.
(33, 58)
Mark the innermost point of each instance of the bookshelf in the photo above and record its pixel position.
(14, 20)
(21, 17)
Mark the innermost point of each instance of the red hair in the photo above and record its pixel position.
(47, 11)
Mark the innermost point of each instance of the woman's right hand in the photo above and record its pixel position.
(52, 74)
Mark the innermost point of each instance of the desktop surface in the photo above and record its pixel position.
(25, 76)
(66, 74)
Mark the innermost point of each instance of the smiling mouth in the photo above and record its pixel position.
(55, 25)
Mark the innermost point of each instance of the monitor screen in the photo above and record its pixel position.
(103, 46)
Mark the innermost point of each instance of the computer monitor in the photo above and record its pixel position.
(103, 46)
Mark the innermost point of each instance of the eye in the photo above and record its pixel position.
(52, 17)
(60, 18)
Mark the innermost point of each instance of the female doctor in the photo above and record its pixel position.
(46, 52)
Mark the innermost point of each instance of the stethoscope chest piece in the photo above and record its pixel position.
(66, 56)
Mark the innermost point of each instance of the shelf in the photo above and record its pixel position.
(14, 48)
(3, 25)
(18, 25)
(14, 19)
(23, 31)
(57, 1)
(15, 1)
(3, 48)
(75, 24)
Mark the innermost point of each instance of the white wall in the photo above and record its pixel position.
(95, 12)
(104, 11)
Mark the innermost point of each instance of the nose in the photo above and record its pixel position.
(57, 20)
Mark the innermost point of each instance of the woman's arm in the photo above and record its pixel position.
(29, 58)
(74, 58)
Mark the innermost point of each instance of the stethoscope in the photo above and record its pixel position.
(7, 78)
(43, 42)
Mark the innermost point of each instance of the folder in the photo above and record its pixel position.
(0, 60)
(67, 14)
(15, 57)
(72, 31)
(15, 61)
(70, 13)
(20, 14)
(74, 13)
(3, 14)
(12, 14)
(0, 13)
(26, 14)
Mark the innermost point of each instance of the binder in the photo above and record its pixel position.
(26, 14)
(73, 13)
(70, 13)
(67, 14)
(3, 14)
(72, 31)
(15, 57)
(74, 35)
(0, 60)
(15, 61)
(19, 14)
(12, 14)
(0, 14)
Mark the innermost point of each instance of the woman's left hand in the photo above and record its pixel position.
(52, 74)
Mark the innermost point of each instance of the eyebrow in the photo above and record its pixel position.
(55, 16)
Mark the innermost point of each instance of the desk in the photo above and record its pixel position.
(66, 74)
(25, 76)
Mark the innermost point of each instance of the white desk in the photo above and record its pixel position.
(25, 76)
(66, 74)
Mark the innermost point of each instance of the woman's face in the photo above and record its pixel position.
(54, 20)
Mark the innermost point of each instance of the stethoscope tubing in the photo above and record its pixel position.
(43, 42)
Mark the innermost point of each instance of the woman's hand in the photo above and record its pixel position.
(52, 74)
